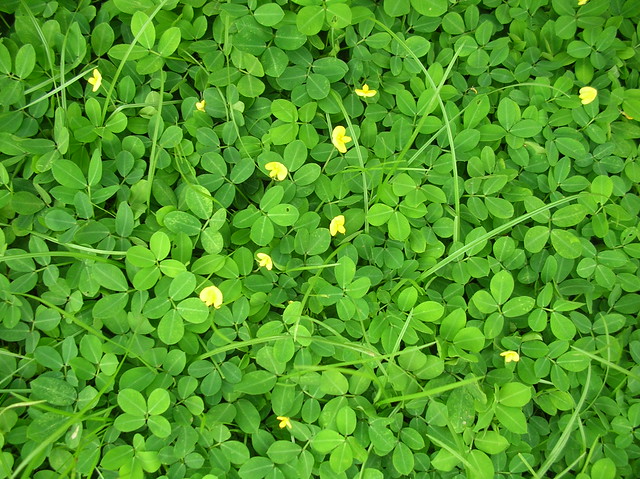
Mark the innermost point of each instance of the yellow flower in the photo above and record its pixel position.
(200, 105)
(284, 422)
(588, 94)
(337, 225)
(582, 2)
(365, 92)
(510, 356)
(95, 80)
(340, 139)
(264, 260)
(626, 116)
(276, 170)
(211, 295)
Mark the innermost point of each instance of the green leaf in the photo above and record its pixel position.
(171, 328)
(68, 174)
(604, 468)
(284, 110)
(476, 111)
(25, 61)
(518, 306)
(269, 14)
(158, 401)
(256, 468)
(169, 41)
(345, 270)
(143, 28)
(502, 285)
(566, 244)
(562, 327)
(282, 452)
(569, 215)
(54, 391)
(515, 395)
(283, 214)
(402, 459)
(109, 276)
(310, 19)
(262, 231)
(192, 310)
(431, 8)
(334, 383)
(512, 418)
(631, 103)
(326, 441)
(132, 402)
(536, 238)
(256, 382)
(469, 339)
(481, 466)
(159, 426)
(181, 222)
(491, 442)
(525, 128)
(399, 227)
(318, 86)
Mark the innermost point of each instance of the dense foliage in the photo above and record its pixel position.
(319, 238)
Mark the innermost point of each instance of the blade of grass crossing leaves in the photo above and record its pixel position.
(566, 433)
(365, 192)
(153, 156)
(445, 117)
(125, 58)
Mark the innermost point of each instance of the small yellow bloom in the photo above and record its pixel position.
(284, 422)
(365, 92)
(588, 94)
(337, 225)
(276, 170)
(582, 2)
(95, 80)
(510, 356)
(626, 116)
(340, 139)
(211, 296)
(200, 105)
(265, 261)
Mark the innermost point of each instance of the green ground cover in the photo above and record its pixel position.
(319, 238)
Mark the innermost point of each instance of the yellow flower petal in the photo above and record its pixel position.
(582, 2)
(276, 170)
(284, 422)
(365, 91)
(211, 296)
(95, 80)
(337, 225)
(339, 138)
(265, 261)
(588, 94)
(510, 356)
(201, 105)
